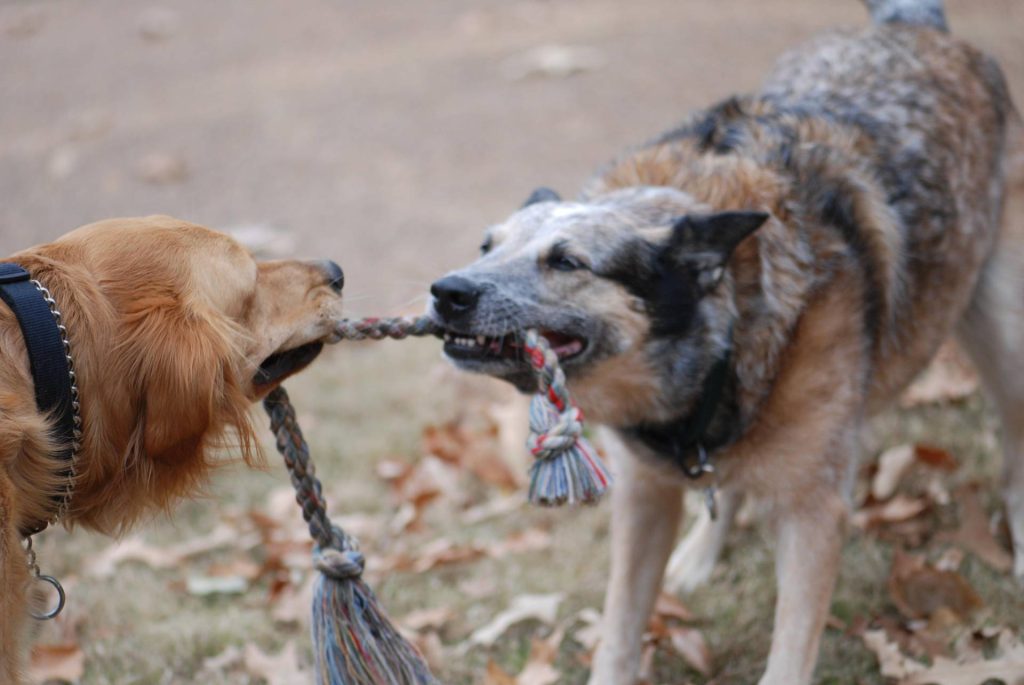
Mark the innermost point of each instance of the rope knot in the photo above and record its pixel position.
(339, 564)
(552, 432)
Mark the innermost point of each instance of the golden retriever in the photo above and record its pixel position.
(175, 331)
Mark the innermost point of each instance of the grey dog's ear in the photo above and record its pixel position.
(542, 195)
(705, 242)
(712, 237)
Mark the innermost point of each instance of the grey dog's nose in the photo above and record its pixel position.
(333, 273)
(456, 296)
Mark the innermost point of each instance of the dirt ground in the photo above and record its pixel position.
(386, 135)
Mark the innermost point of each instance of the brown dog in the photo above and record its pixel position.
(741, 293)
(175, 331)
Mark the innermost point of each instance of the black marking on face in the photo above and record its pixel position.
(669, 290)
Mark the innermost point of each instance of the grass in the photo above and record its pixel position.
(371, 402)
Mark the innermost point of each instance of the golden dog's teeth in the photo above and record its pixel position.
(481, 340)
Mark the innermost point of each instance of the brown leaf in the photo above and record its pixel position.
(541, 608)
(899, 508)
(63, 662)
(136, 549)
(590, 634)
(540, 669)
(520, 542)
(892, 663)
(280, 669)
(443, 552)
(893, 463)
(669, 606)
(949, 377)
(919, 590)
(935, 457)
(974, 533)
(427, 619)
(476, 450)
(690, 644)
(495, 675)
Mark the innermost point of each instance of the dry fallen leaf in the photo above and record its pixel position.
(893, 463)
(899, 508)
(669, 606)
(974, 533)
(136, 549)
(427, 619)
(63, 662)
(280, 669)
(973, 669)
(665, 626)
(690, 644)
(892, 663)
(475, 450)
(590, 634)
(541, 608)
(520, 542)
(949, 377)
(919, 590)
(935, 457)
(495, 675)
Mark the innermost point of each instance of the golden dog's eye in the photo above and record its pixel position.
(486, 245)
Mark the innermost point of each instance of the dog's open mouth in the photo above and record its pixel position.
(508, 347)
(280, 365)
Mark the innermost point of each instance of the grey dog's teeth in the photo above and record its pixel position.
(480, 340)
(447, 337)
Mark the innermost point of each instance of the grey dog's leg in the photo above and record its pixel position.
(993, 334)
(646, 508)
(807, 564)
(695, 557)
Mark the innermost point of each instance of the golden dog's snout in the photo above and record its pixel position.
(332, 273)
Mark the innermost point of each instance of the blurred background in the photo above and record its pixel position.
(383, 134)
(386, 135)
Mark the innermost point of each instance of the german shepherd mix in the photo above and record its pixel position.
(744, 291)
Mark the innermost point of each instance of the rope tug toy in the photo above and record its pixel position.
(354, 643)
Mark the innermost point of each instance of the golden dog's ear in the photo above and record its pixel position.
(183, 367)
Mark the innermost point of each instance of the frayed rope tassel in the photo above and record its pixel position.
(566, 469)
(354, 643)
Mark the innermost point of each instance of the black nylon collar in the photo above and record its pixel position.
(48, 362)
(686, 440)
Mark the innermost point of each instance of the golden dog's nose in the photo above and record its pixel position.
(333, 273)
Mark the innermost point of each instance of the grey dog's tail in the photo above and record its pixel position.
(916, 12)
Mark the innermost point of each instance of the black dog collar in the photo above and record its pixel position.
(687, 440)
(52, 370)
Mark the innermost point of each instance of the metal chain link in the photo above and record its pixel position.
(76, 407)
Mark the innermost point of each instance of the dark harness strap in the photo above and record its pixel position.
(48, 362)
(686, 440)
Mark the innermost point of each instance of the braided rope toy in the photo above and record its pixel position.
(354, 642)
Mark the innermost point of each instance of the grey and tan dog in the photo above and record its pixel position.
(746, 290)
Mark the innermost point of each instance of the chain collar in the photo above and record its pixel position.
(76, 407)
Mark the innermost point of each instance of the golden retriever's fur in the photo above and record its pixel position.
(169, 323)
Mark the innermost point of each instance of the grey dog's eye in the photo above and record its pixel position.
(486, 245)
(564, 262)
